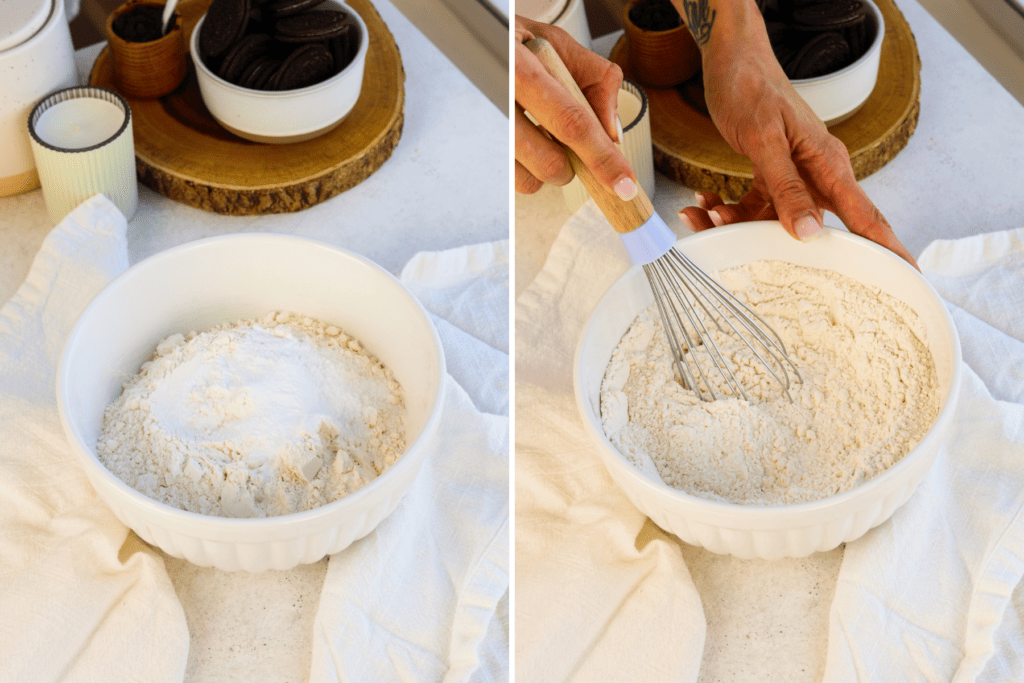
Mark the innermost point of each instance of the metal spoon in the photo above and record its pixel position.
(168, 13)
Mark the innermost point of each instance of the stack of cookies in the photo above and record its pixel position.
(812, 38)
(276, 44)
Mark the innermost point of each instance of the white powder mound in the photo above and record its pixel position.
(868, 396)
(255, 419)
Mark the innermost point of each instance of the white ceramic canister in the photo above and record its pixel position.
(36, 58)
(567, 14)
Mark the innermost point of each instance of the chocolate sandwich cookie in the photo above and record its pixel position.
(242, 54)
(286, 8)
(778, 33)
(859, 36)
(848, 17)
(257, 74)
(829, 16)
(305, 66)
(334, 27)
(824, 53)
(344, 47)
(224, 24)
(311, 26)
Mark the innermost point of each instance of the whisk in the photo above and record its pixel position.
(689, 301)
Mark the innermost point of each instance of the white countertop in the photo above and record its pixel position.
(959, 175)
(446, 185)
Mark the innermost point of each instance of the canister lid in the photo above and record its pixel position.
(544, 11)
(21, 20)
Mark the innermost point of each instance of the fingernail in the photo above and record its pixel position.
(701, 202)
(687, 222)
(807, 228)
(716, 218)
(618, 129)
(625, 188)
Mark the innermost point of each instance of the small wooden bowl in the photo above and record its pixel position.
(660, 59)
(151, 69)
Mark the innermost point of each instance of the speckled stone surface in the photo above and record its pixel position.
(446, 185)
(959, 175)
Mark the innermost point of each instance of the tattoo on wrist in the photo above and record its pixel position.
(699, 19)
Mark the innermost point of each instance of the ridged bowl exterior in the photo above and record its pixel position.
(771, 532)
(223, 279)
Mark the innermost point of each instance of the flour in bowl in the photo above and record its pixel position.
(255, 419)
(868, 396)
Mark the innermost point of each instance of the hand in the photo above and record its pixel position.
(799, 168)
(539, 159)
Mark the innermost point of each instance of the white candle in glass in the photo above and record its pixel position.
(79, 123)
(82, 144)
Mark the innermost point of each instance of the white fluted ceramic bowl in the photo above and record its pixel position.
(771, 532)
(224, 279)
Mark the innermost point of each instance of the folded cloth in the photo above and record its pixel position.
(935, 594)
(424, 597)
(76, 605)
(593, 602)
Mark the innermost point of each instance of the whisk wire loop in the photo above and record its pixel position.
(766, 335)
(672, 322)
(681, 288)
(686, 300)
(746, 317)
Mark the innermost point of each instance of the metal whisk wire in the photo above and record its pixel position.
(681, 288)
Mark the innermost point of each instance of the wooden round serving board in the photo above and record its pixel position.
(183, 153)
(690, 150)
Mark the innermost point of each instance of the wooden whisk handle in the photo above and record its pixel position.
(625, 216)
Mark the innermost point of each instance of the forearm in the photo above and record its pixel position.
(725, 29)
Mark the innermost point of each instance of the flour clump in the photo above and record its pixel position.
(869, 393)
(257, 418)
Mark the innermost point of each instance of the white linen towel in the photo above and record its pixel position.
(590, 604)
(935, 594)
(425, 597)
(71, 609)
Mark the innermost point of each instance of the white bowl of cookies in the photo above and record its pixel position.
(830, 51)
(285, 71)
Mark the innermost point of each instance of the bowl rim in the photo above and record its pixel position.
(360, 57)
(627, 22)
(183, 519)
(769, 516)
(873, 48)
